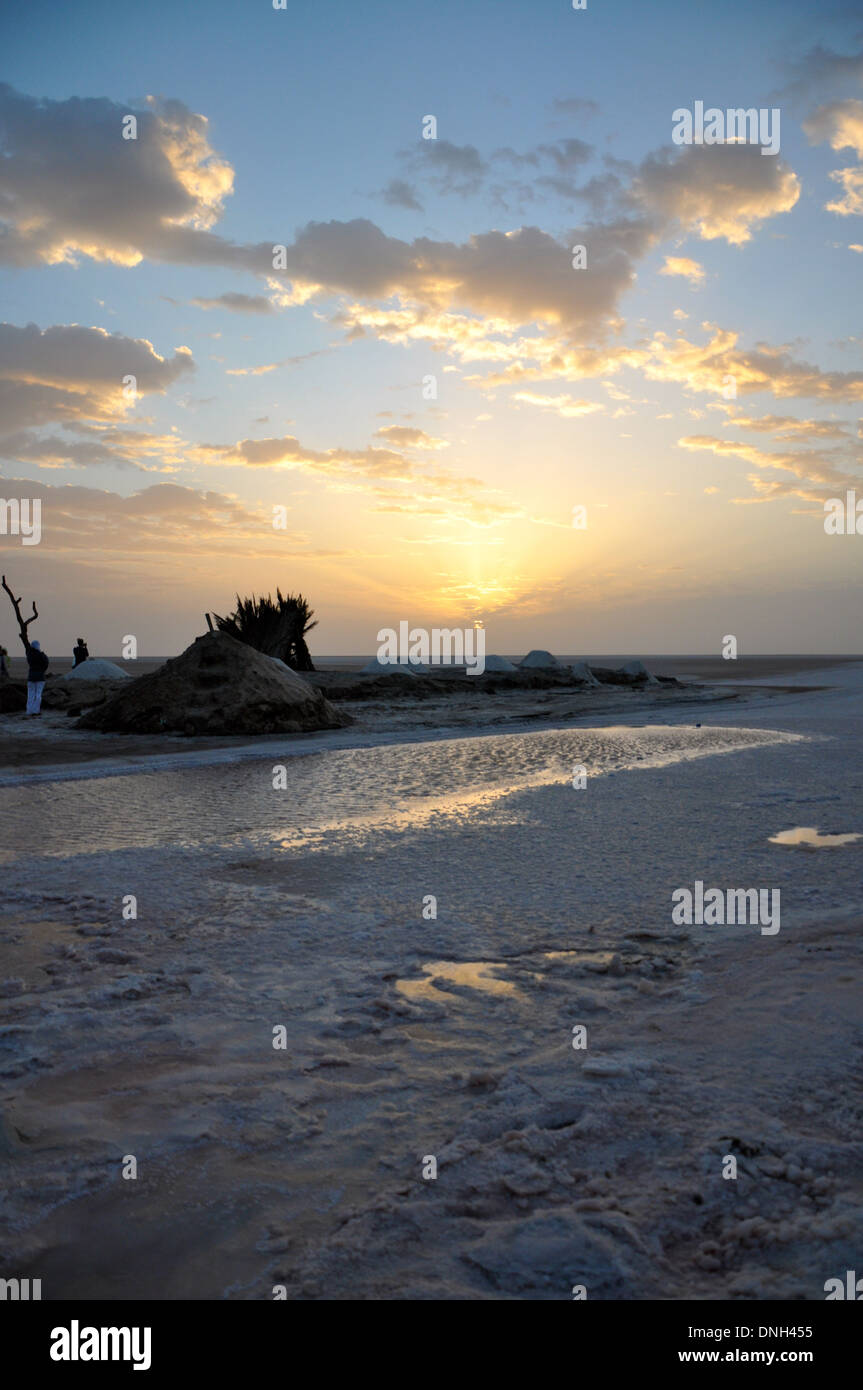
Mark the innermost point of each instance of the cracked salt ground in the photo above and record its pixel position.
(544, 1184)
(522, 1178)
(303, 1166)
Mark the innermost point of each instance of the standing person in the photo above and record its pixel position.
(80, 653)
(37, 665)
(4, 669)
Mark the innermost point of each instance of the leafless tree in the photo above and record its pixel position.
(23, 623)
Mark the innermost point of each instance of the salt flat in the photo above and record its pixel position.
(450, 1036)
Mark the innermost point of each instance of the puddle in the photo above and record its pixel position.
(471, 973)
(596, 959)
(809, 836)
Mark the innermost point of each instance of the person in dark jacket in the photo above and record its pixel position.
(80, 653)
(37, 665)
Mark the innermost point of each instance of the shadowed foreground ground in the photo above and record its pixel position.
(407, 1037)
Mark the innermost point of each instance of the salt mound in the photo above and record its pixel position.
(498, 663)
(539, 659)
(94, 669)
(218, 685)
(638, 671)
(391, 668)
(582, 672)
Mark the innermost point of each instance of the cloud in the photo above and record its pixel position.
(682, 265)
(238, 303)
(545, 359)
(97, 446)
(841, 123)
(562, 155)
(160, 195)
(511, 299)
(574, 106)
(407, 437)
(71, 186)
(717, 365)
(449, 168)
(262, 370)
(561, 405)
(519, 277)
(462, 170)
(721, 191)
(439, 501)
(716, 190)
(401, 194)
(714, 367)
(164, 519)
(265, 367)
(287, 451)
(70, 373)
(73, 376)
(788, 427)
(818, 474)
(824, 72)
(525, 276)
(391, 481)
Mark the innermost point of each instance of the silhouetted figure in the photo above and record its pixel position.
(4, 669)
(80, 652)
(37, 665)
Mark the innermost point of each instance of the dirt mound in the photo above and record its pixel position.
(75, 696)
(216, 686)
(13, 696)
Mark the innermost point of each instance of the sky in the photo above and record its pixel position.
(318, 324)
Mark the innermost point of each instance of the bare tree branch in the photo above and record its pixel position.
(23, 623)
